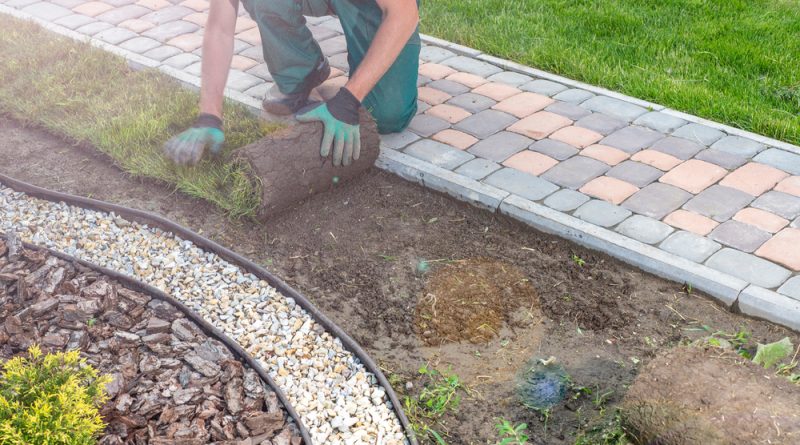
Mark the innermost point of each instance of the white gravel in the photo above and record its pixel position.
(338, 400)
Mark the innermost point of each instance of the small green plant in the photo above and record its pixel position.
(737, 341)
(510, 434)
(91, 322)
(440, 394)
(608, 431)
(50, 399)
(578, 260)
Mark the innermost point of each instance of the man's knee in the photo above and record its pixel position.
(395, 117)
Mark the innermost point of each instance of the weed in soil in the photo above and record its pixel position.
(470, 300)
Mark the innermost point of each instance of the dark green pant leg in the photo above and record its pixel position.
(289, 49)
(393, 101)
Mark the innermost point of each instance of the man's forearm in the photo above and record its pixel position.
(397, 27)
(217, 55)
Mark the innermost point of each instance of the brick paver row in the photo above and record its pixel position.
(726, 201)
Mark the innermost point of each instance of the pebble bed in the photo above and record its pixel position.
(338, 400)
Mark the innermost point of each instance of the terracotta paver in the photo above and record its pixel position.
(187, 42)
(691, 222)
(198, 18)
(783, 249)
(754, 178)
(609, 155)
(243, 24)
(694, 176)
(576, 136)
(530, 162)
(762, 219)
(197, 5)
(155, 5)
(609, 189)
(523, 104)
(92, 9)
(137, 25)
(450, 113)
(539, 125)
(497, 91)
(434, 71)
(432, 96)
(657, 159)
(455, 138)
(467, 79)
(242, 63)
(251, 36)
(790, 185)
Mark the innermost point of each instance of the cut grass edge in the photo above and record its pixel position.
(89, 96)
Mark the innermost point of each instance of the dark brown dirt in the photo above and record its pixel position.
(693, 395)
(289, 168)
(354, 252)
(470, 300)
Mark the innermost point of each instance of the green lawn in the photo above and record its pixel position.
(732, 61)
(88, 95)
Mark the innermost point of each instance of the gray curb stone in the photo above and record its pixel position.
(762, 303)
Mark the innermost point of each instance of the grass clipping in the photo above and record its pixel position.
(90, 96)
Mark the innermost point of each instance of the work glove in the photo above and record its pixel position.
(187, 148)
(342, 133)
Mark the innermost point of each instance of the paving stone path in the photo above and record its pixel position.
(688, 199)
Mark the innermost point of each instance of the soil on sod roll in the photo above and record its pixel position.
(365, 253)
(171, 383)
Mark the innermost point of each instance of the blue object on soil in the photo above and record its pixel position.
(543, 385)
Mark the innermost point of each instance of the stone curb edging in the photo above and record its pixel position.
(735, 293)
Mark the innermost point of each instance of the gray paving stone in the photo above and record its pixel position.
(657, 200)
(521, 184)
(632, 139)
(510, 78)
(340, 61)
(472, 66)
(162, 53)
(566, 200)
(334, 45)
(601, 123)
(254, 52)
(118, 15)
(568, 110)
(739, 146)
(69, 4)
(260, 90)
(634, 172)
(718, 202)
(791, 288)
(449, 87)
(331, 24)
(19, 3)
(183, 60)
(690, 246)
(238, 45)
(574, 96)
(422, 81)
(740, 236)
(500, 146)
(261, 71)
(168, 14)
(644, 229)
(426, 125)
(170, 30)
(601, 213)
(779, 203)
(721, 158)
(486, 123)
(140, 45)
(699, 133)
(438, 154)
(422, 107)
(396, 141)
(474, 103)
(74, 21)
(544, 87)
(478, 168)
(115, 36)
(575, 172)
(435, 54)
(679, 147)
(795, 224)
(555, 149)
(47, 11)
(311, 20)
(93, 28)
(240, 81)
(788, 162)
(656, 120)
(119, 3)
(748, 267)
(614, 108)
(762, 303)
(321, 33)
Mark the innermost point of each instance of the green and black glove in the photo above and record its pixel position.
(339, 115)
(188, 147)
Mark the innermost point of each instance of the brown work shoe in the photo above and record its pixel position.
(281, 104)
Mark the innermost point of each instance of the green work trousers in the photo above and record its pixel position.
(292, 53)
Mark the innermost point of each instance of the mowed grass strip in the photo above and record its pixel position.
(90, 96)
(735, 61)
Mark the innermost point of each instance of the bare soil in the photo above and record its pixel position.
(355, 252)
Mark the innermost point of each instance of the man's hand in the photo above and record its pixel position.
(342, 132)
(188, 147)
